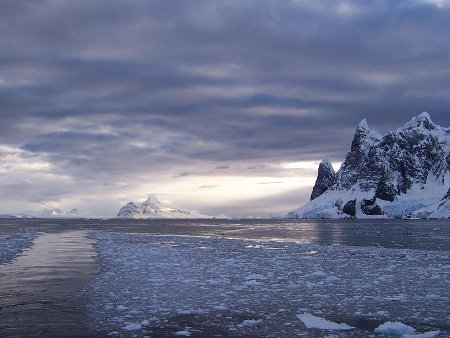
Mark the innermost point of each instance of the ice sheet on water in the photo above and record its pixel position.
(314, 322)
(170, 282)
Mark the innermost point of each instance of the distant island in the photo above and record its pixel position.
(402, 174)
(152, 207)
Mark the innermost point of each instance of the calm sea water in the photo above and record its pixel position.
(408, 234)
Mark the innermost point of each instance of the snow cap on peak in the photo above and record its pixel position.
(421, 121)
(363, 124)
(423, 118)
(326, 162)
(152, 198)
(424, 115)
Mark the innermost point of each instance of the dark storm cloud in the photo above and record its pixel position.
(115, 89)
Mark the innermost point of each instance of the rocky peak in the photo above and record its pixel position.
(421, 121)
(326, 177)
(363, 141)
(151, 205)
(128, 209)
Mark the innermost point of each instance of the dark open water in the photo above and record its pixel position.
(38, 288)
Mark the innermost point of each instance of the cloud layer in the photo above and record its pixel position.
(118, 99)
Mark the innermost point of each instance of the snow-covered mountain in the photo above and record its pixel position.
(59, 213)
(15, 216)
(405, 173)
(154, 208)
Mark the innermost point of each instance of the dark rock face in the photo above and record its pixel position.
(370, 207)
(350, 208)
(392, 164)
(386, 190)
(326, 177)
(357, 158)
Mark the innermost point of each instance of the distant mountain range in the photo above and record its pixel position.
(402, 174)
(51, 213)
(154, 208)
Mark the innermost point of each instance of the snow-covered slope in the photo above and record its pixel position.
(404, 173)
(439, 209)
(154, 208)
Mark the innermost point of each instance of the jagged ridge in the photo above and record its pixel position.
(407, 169)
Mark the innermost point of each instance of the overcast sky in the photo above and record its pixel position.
(220, 106)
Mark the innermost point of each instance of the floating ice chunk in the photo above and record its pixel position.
(255, 276)
(313, 322)
(184, 312)
(332, 279)
(318, 274)
(252, 322)
(121, 308)
(252, 282)
(395, 329)
(182, 333)
(429, 334)
(132, 327)
(220, 307)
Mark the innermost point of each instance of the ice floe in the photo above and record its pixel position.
(398, 329)
(314, 322)
(208, 286)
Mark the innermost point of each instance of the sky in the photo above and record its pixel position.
(225, 107)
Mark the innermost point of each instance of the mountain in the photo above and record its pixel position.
(154, 208)
(15, 216)
(404, 173)
(59, 213)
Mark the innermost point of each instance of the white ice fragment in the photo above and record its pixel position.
(145, 322)
(394, 329)
(121, 308)
(182, 333)
(220, 307)
(255, 276)
(313, 322)
(429, 334)
(332, 279)
(132, 327)
(252, 322)
(252, 282)
(318, 274)
(184, 312)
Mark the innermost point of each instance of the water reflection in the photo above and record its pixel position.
(38, 288)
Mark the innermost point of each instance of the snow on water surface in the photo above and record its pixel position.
(152, 285)
(11, 245)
